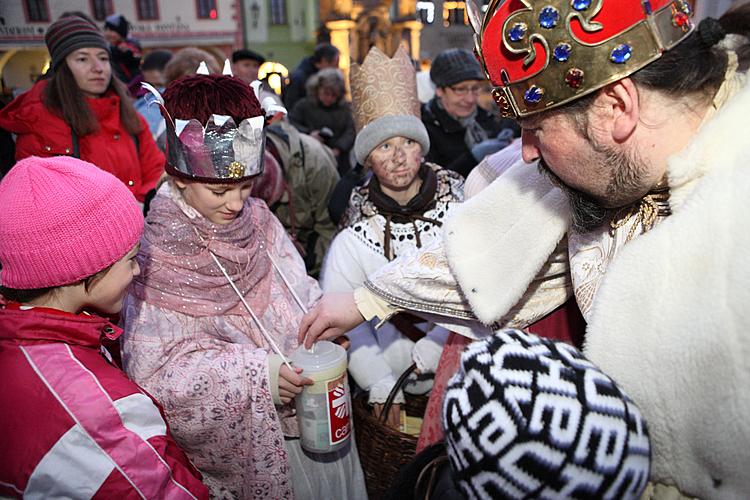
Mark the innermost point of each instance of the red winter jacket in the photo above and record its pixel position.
(42, 133)
(74, 426)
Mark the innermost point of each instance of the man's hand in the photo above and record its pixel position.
(334, 315)
(291, 383)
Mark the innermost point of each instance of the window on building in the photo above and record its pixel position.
(101, 9)
(147, 10)
(207, 9)
(426, 12)
(278, 12)
(37, 11)
(454, 14)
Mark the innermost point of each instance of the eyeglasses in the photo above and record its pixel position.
(462, 91)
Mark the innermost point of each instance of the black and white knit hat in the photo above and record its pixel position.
(527, 417)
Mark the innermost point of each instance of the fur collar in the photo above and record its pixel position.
(671, 317)
(498, 240)
(714, 144)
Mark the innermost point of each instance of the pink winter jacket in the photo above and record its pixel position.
(72, 424)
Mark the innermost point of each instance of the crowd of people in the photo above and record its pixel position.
(174, 231)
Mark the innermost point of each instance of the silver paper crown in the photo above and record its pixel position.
(220, 150)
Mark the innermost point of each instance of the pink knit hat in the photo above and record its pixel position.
(63, 220)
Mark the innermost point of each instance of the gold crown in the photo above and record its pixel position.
(383, 86)
(543, 54)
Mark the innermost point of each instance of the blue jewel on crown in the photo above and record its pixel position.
(548, 17)
(621, 53)
(685, 7)
(517, 32)
(533, 95)
(562, 52)
(581, 4)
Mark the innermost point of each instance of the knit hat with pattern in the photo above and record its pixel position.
(527, 417)
(63, 220)
(71, 33)
(453, 66)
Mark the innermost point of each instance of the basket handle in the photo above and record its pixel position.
(399, 383)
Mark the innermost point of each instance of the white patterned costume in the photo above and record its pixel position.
(377, 359)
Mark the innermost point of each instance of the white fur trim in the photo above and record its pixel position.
(671, 319)
(497, 241)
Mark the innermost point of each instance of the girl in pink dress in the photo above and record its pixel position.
(189, 339)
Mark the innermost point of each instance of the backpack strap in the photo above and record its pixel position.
(76, 144)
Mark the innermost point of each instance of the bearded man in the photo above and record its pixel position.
(637, 116)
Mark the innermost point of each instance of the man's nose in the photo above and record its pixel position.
(529, 149)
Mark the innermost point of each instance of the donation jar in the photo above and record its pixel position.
(324, 408)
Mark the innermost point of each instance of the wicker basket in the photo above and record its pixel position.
(382, 449)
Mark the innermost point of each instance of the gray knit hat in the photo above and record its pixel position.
(71, 33)
(386, 127)
(453, 66)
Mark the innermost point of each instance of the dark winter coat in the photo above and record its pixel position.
(447, 147)
(297, 79)
(308, 115)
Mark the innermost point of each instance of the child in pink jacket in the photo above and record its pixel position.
(73, 425)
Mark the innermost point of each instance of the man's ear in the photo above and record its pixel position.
(622, 106)
(439, 92)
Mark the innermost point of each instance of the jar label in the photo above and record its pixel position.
(339, 407)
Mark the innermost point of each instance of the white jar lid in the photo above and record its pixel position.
(323, 355)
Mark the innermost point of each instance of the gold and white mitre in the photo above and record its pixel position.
(385, 102)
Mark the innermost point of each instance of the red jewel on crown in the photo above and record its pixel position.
(574, 78)
(680, 19)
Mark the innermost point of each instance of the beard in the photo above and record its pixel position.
(625, 187)
(586, 213)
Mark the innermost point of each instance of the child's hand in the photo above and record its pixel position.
(291, 383)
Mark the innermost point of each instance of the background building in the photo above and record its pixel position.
(446, 25)
(284, 31)
(209, 24)
(356, 26)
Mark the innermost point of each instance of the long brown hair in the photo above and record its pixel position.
(63, 97)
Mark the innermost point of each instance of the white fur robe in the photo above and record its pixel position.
(671, 320)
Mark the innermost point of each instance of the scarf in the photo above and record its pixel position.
(474, 133)
(179, 274)
(413, 211)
